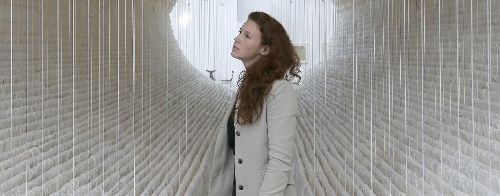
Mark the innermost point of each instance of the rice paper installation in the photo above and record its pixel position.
(114, 97)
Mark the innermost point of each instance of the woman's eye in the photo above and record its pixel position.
(247, 36)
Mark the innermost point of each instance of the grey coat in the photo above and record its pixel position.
(264, 153)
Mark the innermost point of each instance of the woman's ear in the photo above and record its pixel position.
(265, 50)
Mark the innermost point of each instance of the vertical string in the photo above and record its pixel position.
(372, 63)
(391, 88)
(326, 26)
(58, 96)
(125, 58)
(309, 25)
(101, 18)
(117, 149)
(43, 100)
(364, 72)
(133, 87)
(142, 78)
(382, 66)
(107, 83)
(89, 92)
(225, 21)
(458, 83)
(210, 36)
(27, 95)
(70, 98)
(190, 49)
(354, 84)
(216, 24)
(11, 79)
(206, 26)
(398, 45)
(184, 77)
(180, 134)
(222, 53)
(345, 101)
(203, 26)
(422, 2)
(168, 105)
(375, 42)
(194, 14)
(106, 93)
(406, 59)
(472, 94)
(440, 45)
(488, 26)
(150, 97)
(73, 102)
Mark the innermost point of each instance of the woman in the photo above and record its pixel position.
(254, 148)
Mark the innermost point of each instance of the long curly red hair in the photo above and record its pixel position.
(282, 62)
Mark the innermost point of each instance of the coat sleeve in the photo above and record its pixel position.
(282, 110)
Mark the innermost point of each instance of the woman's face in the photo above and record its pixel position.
(247, 47)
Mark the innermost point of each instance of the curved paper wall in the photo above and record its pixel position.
(96, 98)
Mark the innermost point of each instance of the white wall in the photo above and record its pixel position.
(81, 115)
(407, 102)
